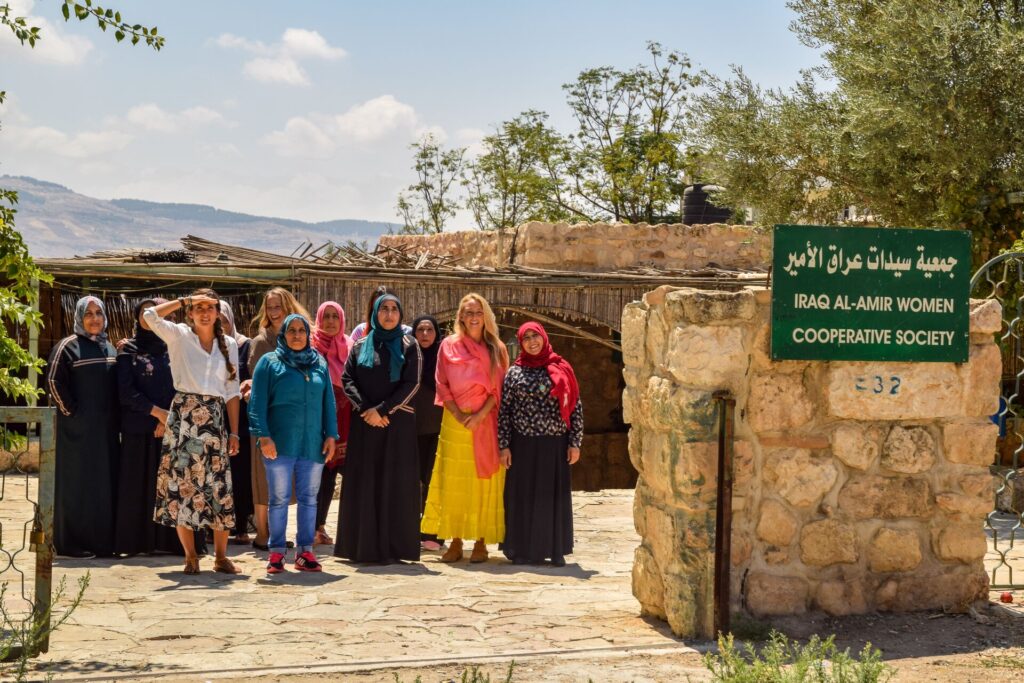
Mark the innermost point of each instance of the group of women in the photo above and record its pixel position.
(189, 428)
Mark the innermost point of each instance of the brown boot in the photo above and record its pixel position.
(454, 552)
(479, 552)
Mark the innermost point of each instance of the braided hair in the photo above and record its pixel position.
(218, 332)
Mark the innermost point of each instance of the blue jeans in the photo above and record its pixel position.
(280, 472)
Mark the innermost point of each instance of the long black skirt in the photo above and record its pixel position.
(135, 530)
(538, 499)
(379, 515)
(241, 479)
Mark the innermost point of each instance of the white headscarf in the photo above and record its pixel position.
(80, 309)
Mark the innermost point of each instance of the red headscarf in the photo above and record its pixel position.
(334, 348)
(565, 388)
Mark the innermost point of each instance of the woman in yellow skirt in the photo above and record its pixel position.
(466, 496)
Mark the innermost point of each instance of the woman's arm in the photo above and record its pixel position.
(233, 425)
(128, 394)
(505, 414)
(408, 382)
(58, 378)
(259, 400)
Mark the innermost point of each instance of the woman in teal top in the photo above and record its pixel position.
(292, 416)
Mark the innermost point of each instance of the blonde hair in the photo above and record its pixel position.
(288, 302)
(495, 347)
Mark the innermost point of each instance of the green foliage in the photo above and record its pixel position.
(105, 18)
(782, 661)
(916, 118)
(470, 675)
(428, 204)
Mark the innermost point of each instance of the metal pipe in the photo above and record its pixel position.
(723, 511)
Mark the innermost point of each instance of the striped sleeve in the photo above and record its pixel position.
(58, 377)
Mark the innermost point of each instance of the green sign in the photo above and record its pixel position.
(870, 294)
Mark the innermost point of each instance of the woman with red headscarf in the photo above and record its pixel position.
(330, 340)
(540, 429)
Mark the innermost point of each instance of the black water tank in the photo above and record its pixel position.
(699, 207)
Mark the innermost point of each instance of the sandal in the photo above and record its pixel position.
(191, 565)
(454, 552)
(225, 566)
(322, 538)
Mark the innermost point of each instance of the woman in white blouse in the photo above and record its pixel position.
(193, 488)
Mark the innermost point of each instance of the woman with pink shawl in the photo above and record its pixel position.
(330, 340)
(466, 497)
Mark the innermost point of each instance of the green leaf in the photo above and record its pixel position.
(66, 12)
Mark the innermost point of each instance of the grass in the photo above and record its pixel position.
(1003, 662)
(471, 675)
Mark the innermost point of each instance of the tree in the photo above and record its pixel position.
(915, 115)
(428, 204)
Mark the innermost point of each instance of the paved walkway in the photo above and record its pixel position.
(141, 617)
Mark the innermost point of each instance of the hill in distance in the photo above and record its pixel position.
(58, 222)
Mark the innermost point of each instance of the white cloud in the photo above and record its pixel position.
(84, 145)
(280, 62)
(54, 45)
(153, 118)
(375, 119)
(301, 138)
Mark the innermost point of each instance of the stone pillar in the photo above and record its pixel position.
(857, 486)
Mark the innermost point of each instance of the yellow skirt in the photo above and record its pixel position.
(459, 505)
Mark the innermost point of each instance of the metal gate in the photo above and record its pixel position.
(26, 526)
(1002, 279)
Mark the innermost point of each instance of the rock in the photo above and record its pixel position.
(741, 547)
(840, 598)
(776, 525)
(981, 375)
(970, 442)
(656, 297)
(634, 328)
(742, 466)
(979, 485)
(811, 442)
(663, 407)
(908, 391)
(908, 450)
(776, 556)
(656, 342)
(870, 497)
(894, 550)
(828, 542)
(855, 445)
(762, 354)
(648, 588)
(707, 357)
(803, 480)
(778, 403)
(959, 504)
(959, 542)
(703, 307)
(776, 595)
(949, 591)
(986, 316)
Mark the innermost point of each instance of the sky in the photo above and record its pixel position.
(306, 109)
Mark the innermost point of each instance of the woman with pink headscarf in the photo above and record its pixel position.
(330, 340)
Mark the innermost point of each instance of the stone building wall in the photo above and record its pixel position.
(595, 247)
(851, 493)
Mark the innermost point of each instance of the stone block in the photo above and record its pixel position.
(894, 550)
(840, 598)
(800, 478)
(981, 375)
(959, 542)
(741, 548)
(694, 473)
(856, 445)
(692, 414)
(762, 354)
(648, 587)
(762, 295)
(640, 511)
(828, 542)
(656, 340)
(770, 595)
(776, 556)
(662, 538)
(776, 525)
(876, 497)
(742, 466)
(908, 391)
(705, 357)
(986, 316)
(970, 442)
(812, 442)
(948, 591)
(960, 504)
(702, 307)
(634, 329)
(778, 403)
(656, 297)
(979, 485)
(908, 450)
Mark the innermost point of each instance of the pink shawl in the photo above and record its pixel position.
(335, 349)
(464, 375)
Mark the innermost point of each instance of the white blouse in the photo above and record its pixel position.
(194, 370)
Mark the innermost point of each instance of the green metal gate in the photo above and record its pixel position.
(1002, 279)
(27, 582)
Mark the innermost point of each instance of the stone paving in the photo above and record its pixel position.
(141, 617)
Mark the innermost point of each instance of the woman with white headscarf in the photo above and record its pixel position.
(82, 383)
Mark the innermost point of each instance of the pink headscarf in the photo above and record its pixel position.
(334, 348)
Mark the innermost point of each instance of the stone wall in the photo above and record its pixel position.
(848, 497)
(595, 247)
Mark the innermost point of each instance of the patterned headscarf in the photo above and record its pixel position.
(303, 360)
(80, 308)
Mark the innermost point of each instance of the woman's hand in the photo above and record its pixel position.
(158, 432)
(245, 388)
(505, 458)
(574, 455)
(268, 448)
(233, 445)
(200, 299)
(328, 449)
(375, 419)
(474, 420)
(160, 414)
(121, 342)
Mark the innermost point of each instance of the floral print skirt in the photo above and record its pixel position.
(193, 484)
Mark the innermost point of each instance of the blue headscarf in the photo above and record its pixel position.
(80, 308)
(304, 360)
(389, 339)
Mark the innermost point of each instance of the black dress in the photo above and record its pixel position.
(241, 464)
(379, 517)
(428, 428)
(82, 382)
(538, 486)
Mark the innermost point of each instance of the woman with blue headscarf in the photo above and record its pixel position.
(292, 416)
(380, 503)
(82, 383)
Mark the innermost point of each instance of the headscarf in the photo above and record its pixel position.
(225, 309)
(428, 382)
(146, 341)
(334, 348)
(564, 387)
(304, 360)
(389, 339)
(80, 308)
